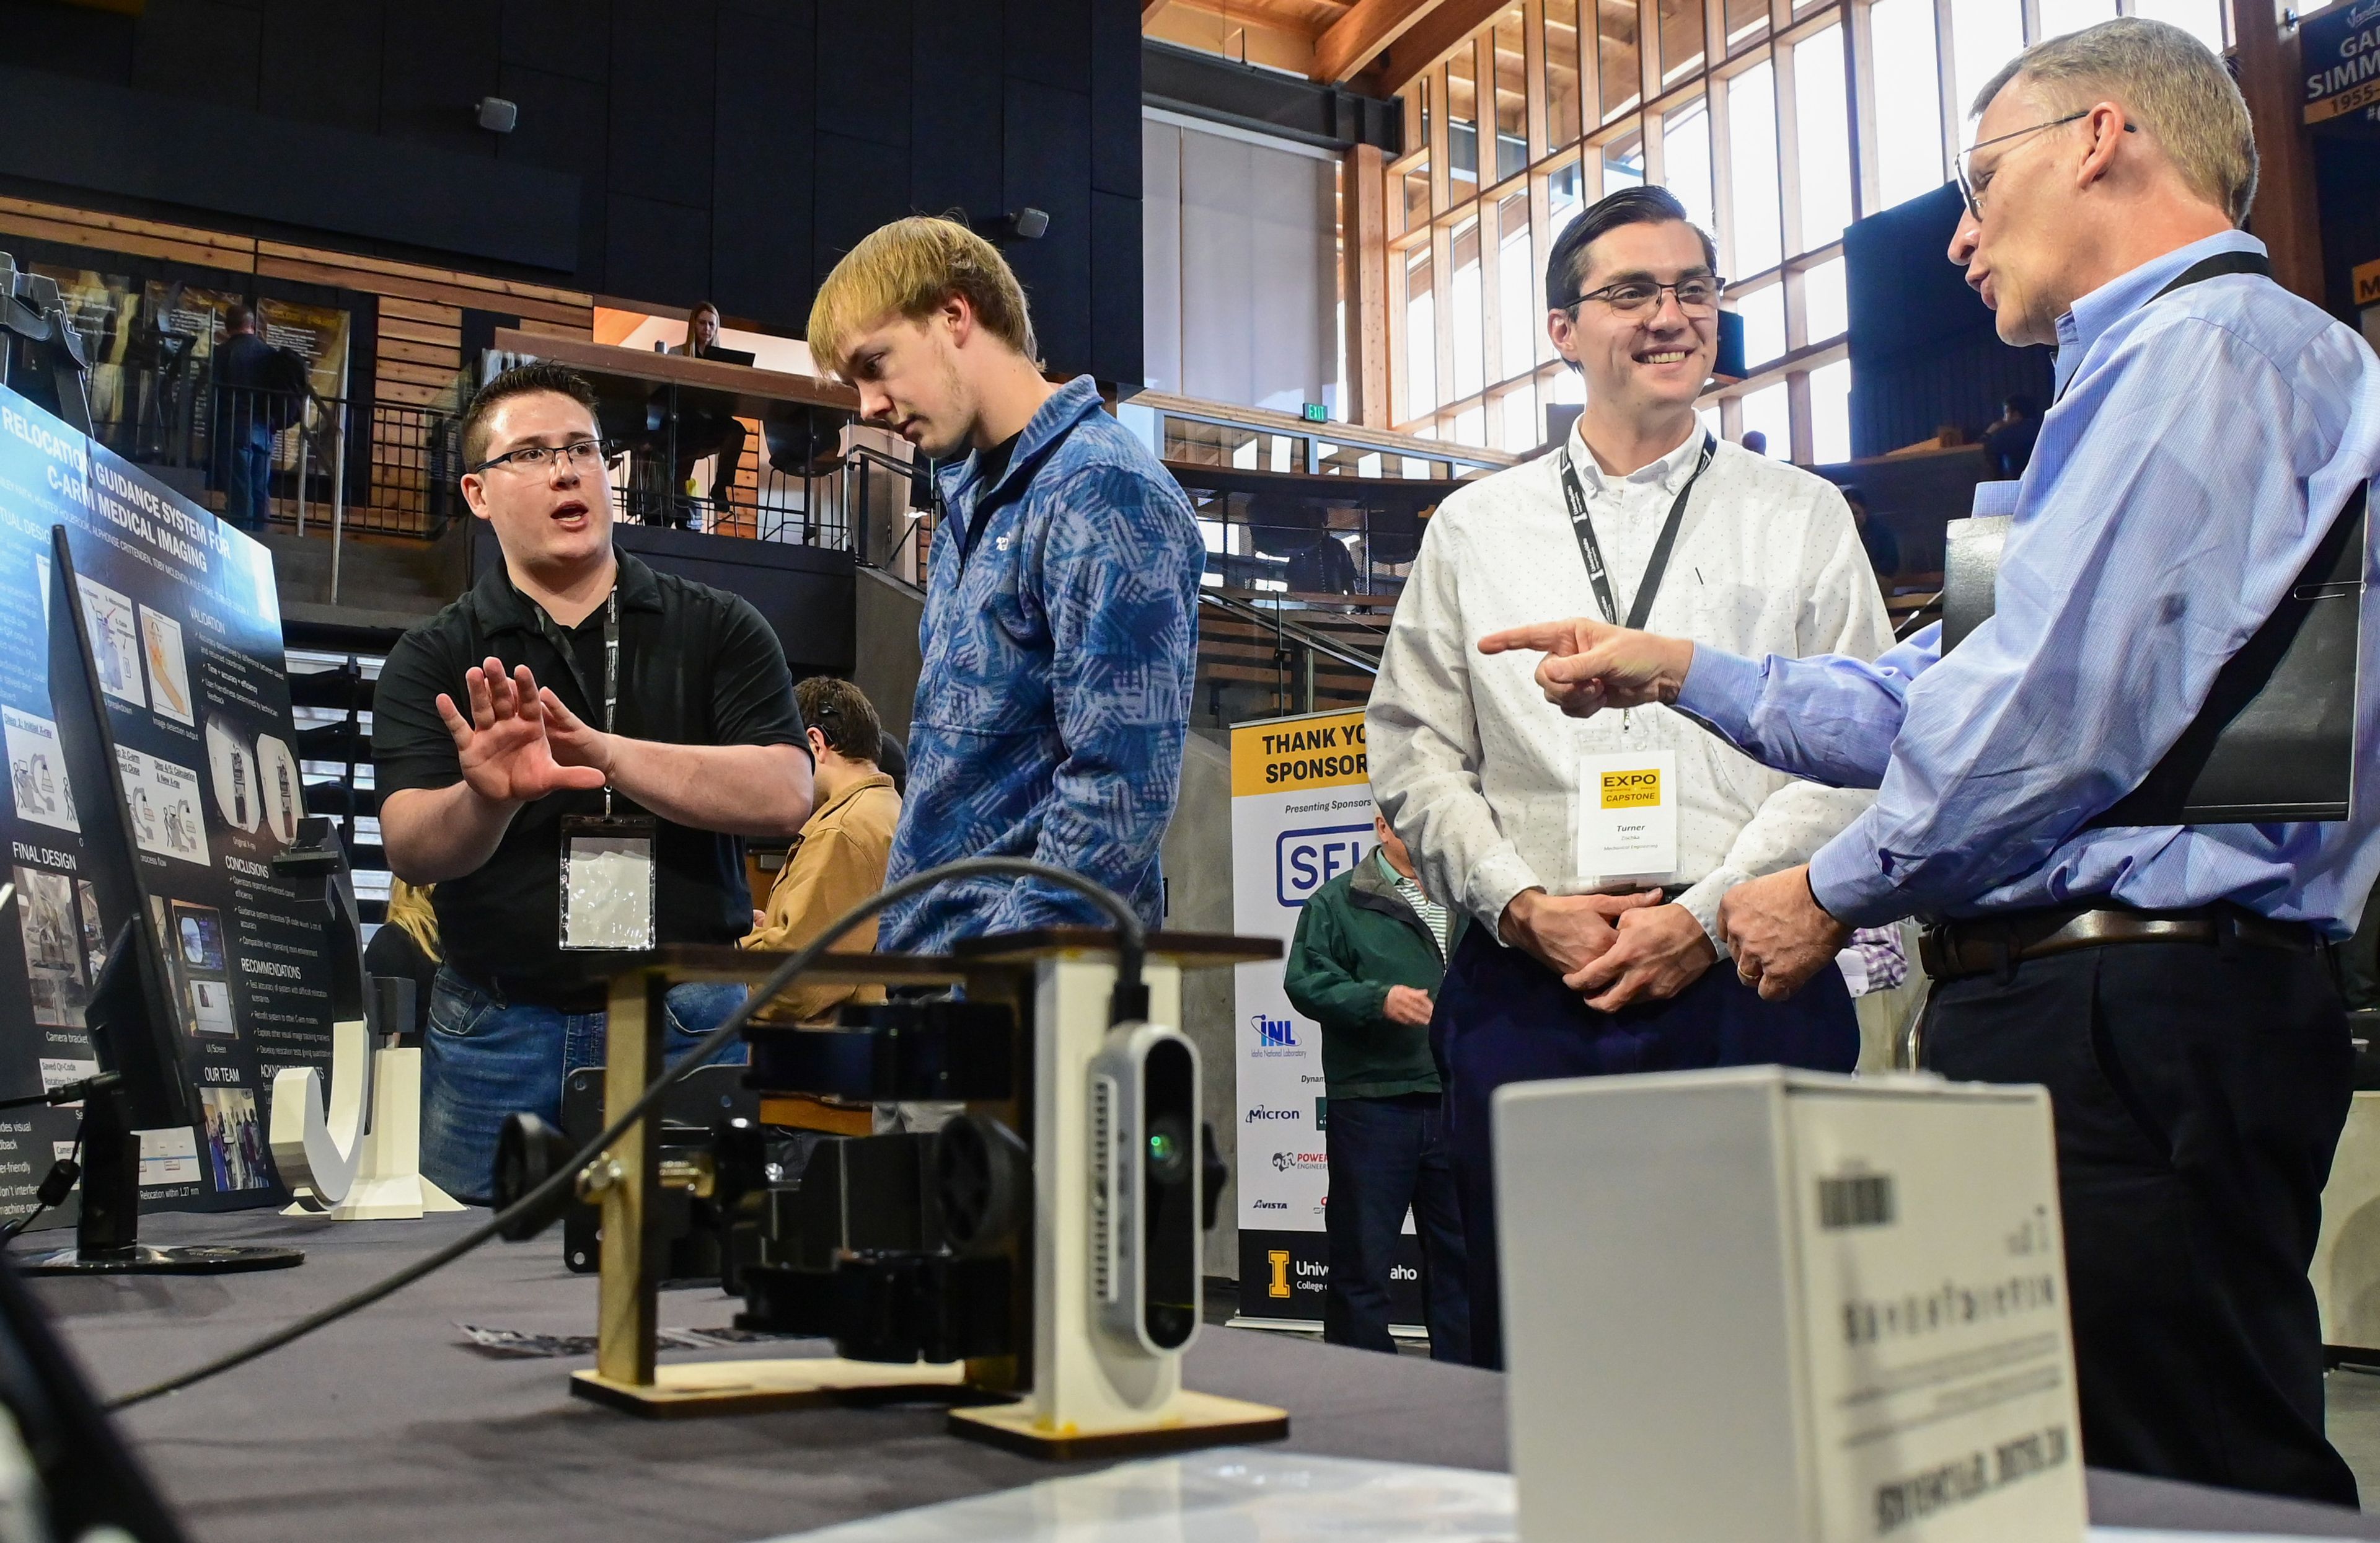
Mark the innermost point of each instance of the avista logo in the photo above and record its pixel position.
(1262, 1113)
(1272, 1205)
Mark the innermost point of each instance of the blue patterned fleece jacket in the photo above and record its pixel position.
(1059, 647)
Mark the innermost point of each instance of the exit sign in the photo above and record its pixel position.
(1316, 413)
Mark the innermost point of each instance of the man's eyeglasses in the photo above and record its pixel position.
(1697, 295)
(582, 455)
(1973, 189)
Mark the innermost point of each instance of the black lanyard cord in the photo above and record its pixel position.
(1583, 525)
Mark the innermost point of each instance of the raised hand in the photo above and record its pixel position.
(1590, 665)
(503, 745)
(574, 742)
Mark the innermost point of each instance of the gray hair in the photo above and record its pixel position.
(2167, 82)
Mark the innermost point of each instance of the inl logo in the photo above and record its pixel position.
(1306, 860)
(1275, 1034)
(1279, 1259)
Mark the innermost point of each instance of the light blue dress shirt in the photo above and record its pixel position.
(2199, 450)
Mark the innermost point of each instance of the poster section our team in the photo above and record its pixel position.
(1300, 814)
(186, 628)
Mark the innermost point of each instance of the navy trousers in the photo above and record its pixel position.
(1387, 1155)
(1505, 1018)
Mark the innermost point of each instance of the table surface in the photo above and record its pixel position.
(389, 1425)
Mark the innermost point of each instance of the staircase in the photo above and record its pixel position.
(1266, 653)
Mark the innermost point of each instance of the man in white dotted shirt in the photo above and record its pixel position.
(1599, 912)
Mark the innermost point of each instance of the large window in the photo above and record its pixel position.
(1777, 123)
(1908, 74)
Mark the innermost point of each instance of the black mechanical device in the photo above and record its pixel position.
(906, 1247)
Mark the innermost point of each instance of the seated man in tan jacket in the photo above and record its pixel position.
(837, 861)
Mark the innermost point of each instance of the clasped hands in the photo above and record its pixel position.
(1778, 933)
(520, 742)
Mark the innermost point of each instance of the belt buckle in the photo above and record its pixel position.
(1931, 947)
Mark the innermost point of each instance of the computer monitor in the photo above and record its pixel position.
(131, 1017)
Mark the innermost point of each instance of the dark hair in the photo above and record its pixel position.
(1855, 496)
(521, 380)
(237, 318)
(1630, 206)
(842, 713)
(2023, 406)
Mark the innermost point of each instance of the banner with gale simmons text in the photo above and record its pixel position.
(1301, 815)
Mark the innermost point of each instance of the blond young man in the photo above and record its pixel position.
(1061, 628)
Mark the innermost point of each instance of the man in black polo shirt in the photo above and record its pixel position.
(501, 718)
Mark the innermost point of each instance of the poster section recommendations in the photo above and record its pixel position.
(187, 627)
(1300, 814)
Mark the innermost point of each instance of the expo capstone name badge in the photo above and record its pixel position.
(1628, 817)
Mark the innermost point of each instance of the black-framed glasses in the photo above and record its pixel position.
(1962, 168)
(1697, 294)
(581, 455)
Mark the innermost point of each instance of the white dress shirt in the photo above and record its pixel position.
(1480, 774)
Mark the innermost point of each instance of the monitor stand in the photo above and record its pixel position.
(107, 1236)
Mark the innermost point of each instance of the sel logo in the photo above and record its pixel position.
(1306, 860)
(1631, 790)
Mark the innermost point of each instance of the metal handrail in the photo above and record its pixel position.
(1283, 627)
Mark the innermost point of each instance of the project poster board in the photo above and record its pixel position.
(1301, 815)
(183, 611)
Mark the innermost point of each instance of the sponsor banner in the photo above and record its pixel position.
(2339, 50)
(1283, 1274)
(1301, 815)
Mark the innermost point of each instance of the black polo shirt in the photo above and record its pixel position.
(697, 667)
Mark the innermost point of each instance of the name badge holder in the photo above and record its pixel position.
(1627, 818)
(608, 900)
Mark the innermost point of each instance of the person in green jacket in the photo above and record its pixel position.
(1371, 948)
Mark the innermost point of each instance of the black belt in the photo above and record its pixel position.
(1982, 946)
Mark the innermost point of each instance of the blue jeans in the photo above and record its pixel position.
(1503, 1018)
(247, 475)
(484, 1058)
(1387, 1154)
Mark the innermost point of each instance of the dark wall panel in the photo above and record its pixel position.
(663, 82)
(860, 186)
(321, 62)
(862, 64)
(438, 58)
(955, 109)
(201, 49)
(1050, 41)
(667, 151)
(1047, 165)
(1115, 286)
(1115, 99)
(565, 37)
(657, 248)
(765, 182)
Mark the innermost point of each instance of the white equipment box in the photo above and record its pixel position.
(1758, 1305)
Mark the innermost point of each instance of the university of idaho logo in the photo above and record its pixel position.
(1279, 1259)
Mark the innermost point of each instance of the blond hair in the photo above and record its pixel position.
(409, 907)
(2167, 82)
(910, 267)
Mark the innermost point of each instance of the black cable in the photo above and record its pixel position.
(1131, 950)
(54, 1188)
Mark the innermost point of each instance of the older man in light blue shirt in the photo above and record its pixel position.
(2169, 984)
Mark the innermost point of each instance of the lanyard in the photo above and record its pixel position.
(569, 651)
(611, 676)
(1583, 525)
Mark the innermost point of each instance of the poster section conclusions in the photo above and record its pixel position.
(1301, 815)
(186, 628)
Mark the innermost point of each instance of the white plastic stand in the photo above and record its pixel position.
(343, 1163)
